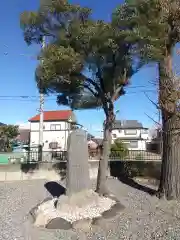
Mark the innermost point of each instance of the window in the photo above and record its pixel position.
(53, 145)
(58, 127)
(133, 144)
(130, 132)
(55, 127)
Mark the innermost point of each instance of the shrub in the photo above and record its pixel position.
(131, 169)
(119, 149)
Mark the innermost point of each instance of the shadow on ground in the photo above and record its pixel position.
(29, 167)
(55, 189)
(130, 182)
(126, 171)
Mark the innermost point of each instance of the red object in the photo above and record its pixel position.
(53, 116)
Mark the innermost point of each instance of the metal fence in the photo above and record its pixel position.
(61, 156)
(32, 156)
(135, 155)
(25, 165)
(130, 155)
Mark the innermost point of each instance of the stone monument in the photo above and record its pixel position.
(78, 178)
(81, 206)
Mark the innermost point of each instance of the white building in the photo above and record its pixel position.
(57, 126)
(132, 133)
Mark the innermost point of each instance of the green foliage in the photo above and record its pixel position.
(10, 131)
(77, 45)
(131, 169)
(152, 26)
(119, 149)
(7, 134)
(152, 29)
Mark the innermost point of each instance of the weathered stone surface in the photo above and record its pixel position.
(83, 205)
(113, 211)
(77, 166)
(97, 221)
(34, 210)
(59, 223)
(80, 199)
(42, 219)
(82, 225)
(45, 212)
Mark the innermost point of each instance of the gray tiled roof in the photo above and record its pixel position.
(127, 124)
(99, 141)
(89, 136)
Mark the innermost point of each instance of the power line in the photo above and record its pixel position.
(49, 98)
(35, 96)
(22, 100)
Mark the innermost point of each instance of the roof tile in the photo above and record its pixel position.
(53, 116)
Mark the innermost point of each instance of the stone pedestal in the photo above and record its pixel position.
(77, 166)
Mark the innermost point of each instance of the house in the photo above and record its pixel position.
(155, 145)
(132, 133)
(89, 136)
(98, 141)
(57, 126)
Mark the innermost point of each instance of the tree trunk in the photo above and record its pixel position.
(103, 163)
(169, 186)
(170, 169)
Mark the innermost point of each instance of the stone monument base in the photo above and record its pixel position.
(78, 211)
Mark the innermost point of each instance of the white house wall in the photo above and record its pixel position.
(47, 125)
(121, 133)
(116, 133)
(49, 135)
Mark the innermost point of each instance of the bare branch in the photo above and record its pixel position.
(116, 91)
(95, 94)
(115, 95)
(152, 119)
(155, 104)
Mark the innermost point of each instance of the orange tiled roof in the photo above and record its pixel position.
(53, 116)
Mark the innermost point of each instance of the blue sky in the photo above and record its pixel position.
(18, 66)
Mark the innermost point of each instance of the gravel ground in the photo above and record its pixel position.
(145, 217)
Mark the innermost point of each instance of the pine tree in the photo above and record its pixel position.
(85, 61)
(152, 27)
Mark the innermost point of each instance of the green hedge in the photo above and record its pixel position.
(150, 169)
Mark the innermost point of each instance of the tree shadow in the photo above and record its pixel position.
(125, 171)
(60, 168)
(130, 182)
(29, 167)
(55, 189)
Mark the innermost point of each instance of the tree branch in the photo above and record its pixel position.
(98, 74)
(156, 105)
(115, 95)
(153, 119)
(117, 91)
(91, 90)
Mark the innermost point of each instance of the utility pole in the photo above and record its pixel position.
(41, 113)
